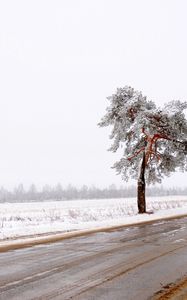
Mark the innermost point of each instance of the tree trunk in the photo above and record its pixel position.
(141, 188)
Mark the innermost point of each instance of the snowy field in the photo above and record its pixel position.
(32, 218)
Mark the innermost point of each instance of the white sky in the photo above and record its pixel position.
(59, 60)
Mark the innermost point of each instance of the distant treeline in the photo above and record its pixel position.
(19, 194)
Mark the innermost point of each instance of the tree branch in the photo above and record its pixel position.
(136, 153)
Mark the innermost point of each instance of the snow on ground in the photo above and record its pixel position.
(32, 218)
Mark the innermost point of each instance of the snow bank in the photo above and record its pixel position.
(23, 219)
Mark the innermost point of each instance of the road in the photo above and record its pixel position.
(126, 264)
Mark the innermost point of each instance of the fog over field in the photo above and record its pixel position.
(70, 192)
(59, 61)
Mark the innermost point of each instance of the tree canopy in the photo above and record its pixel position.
(140, 127)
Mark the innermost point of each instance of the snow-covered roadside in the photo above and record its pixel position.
(32, 218)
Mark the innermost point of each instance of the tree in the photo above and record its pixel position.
(19, 192)
(153, 139)
(32, 192)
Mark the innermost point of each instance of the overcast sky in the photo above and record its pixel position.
(59, 60)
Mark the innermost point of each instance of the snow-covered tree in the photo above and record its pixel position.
(153, 139)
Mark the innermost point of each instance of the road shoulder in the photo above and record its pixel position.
(173, 291)
(29, 241)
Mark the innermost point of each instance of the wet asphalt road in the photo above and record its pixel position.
(129, 263)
